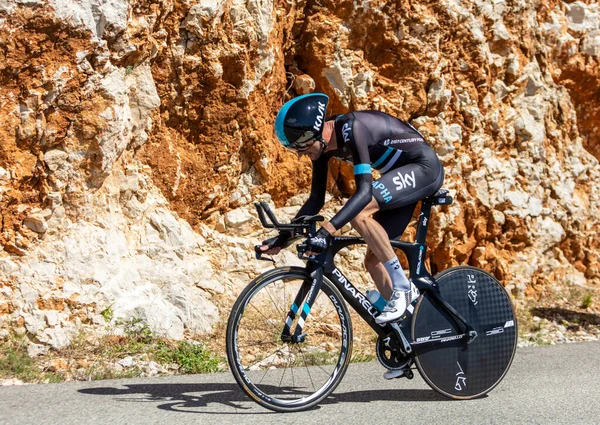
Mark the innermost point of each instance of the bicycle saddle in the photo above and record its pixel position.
(440, 197)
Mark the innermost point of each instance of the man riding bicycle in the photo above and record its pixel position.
(379, 210)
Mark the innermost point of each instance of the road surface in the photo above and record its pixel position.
(546, 385)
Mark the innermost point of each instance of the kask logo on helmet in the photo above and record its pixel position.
(319, 119)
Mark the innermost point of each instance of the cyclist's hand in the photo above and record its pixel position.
(318, 242)
(271, 251)
(273, 246)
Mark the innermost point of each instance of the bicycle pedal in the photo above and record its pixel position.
(393, 374)
(396, 374)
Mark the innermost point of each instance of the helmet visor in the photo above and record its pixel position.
(303, 142)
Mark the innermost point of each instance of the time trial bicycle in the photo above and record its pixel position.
(289, 334)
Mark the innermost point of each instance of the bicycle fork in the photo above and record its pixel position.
(308, 290)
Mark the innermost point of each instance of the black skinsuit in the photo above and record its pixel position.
(410, 169)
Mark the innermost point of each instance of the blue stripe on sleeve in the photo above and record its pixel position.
(362, 169)
(383, 157)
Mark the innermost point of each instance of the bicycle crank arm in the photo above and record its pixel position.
(406, 348)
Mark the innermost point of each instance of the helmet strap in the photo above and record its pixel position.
(323, 142)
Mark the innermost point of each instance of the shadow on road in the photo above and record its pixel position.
(198, 398)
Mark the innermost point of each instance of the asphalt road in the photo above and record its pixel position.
(545, 385)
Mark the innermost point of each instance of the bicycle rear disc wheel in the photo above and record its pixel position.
(457, 369)
(281, 375)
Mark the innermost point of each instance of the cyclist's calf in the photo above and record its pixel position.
(379, 274)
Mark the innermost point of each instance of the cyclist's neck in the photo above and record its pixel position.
(329, 136)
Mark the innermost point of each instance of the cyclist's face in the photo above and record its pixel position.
(313, 151)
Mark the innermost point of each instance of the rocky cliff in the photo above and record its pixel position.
(135, 135)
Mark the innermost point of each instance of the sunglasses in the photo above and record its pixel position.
(302, 146)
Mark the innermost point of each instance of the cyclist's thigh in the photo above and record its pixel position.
(408, 184)
(395, 221)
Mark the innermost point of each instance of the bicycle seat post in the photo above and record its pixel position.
(423, 224)
(441, 197)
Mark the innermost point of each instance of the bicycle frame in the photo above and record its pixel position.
(323, 265)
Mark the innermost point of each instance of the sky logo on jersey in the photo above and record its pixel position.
(319, 120)
(405, 180)
(346, 130)
(383, 191)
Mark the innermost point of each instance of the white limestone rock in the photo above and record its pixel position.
(582, 17)
(101, 17)
(203, 14)
(237, 218)
(36, 222)
(58, 337)
(143, 99)
(591, 43)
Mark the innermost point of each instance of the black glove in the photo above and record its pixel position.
(279, 240)
(319, 242)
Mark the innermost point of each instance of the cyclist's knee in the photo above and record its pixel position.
(360, 221)
(365, 216)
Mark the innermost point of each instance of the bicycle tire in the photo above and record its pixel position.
(456, 369)
(250, 328)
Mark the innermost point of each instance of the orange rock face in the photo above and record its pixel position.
(100, 108)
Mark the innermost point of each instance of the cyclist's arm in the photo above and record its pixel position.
(353, 131)
(318, 187)
(312, 206)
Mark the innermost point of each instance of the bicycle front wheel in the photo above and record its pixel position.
(277, 373)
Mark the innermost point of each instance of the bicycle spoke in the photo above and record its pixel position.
(284, 369)
(327, 315)
(285, 300)
(308, 371)
(317, 322)
(291, 375)
(267, 369)
(324, 371)
(266, 320)
(274, 303)
(254, 344)
(265, 357)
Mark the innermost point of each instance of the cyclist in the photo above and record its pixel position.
(379, 209)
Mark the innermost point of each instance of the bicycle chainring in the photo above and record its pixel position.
(391, 359)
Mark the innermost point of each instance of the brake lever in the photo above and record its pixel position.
(302, 249)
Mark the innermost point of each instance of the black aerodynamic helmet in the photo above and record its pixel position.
(301, 120)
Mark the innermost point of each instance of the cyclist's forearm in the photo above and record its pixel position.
(312, 206)
(360, 199)
(353, 207)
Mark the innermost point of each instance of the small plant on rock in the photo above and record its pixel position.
(587, 301)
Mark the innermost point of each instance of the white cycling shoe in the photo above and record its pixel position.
(397, 304)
